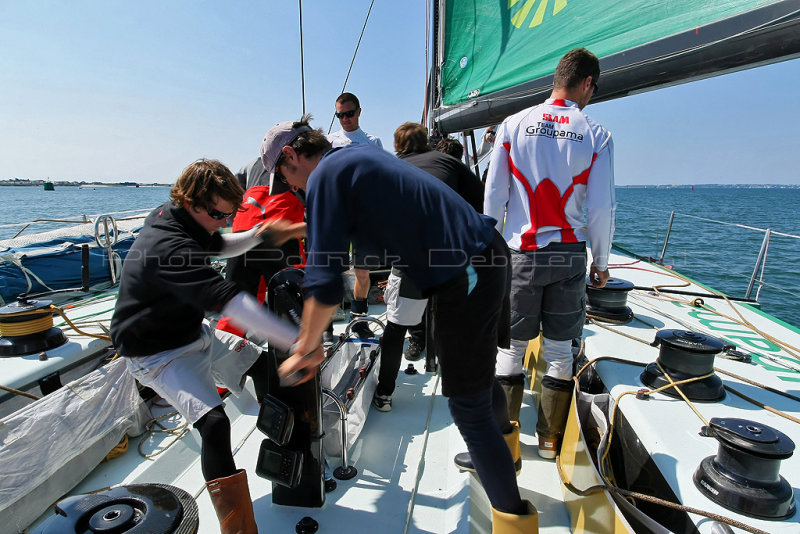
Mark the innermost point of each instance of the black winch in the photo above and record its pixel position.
(146, 508)
(609, 303)
(684, 355)
(26, 327)
(744, 475)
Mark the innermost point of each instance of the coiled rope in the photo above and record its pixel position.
(34, 326)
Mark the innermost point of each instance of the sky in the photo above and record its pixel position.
(115, 90)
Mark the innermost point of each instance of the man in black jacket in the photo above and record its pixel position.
(405, 304)
(167, 285)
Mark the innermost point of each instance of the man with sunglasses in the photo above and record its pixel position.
(550, 164)
(167, 285)
(348, 111)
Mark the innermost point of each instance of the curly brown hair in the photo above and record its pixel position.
(452, 146)
(202, 180)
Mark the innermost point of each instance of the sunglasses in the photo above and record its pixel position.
(596, 88)
(348, 114)
(218, 215)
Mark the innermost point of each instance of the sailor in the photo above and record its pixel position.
(437, 239)
(253, 270)
(167, 285)
(348, 111)
(405, 304)
(451, 146)
(549, 164)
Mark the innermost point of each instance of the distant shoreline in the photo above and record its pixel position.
(37, 183)
(709, 186)
(12, 183)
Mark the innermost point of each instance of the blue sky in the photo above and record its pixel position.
(120, 90)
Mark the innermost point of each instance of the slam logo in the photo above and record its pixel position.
(521, 16)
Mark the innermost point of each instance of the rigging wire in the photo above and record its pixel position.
(352, 61)
(302, 69)
(427, 52)
(705, 219)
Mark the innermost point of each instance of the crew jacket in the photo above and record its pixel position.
(390, 209)
(550, 163)
(167, 284)
(452, 172)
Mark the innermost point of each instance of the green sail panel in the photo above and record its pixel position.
(494, 45)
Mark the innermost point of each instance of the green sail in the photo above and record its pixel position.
(495, 58)
(495, 45)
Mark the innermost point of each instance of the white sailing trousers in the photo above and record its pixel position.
(557, 354)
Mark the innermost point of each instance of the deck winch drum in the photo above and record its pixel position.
(683, 355)
(26, 327)
(151, 508)
(609, 303)
(744, 476)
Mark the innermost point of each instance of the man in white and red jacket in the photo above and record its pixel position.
(550, 186)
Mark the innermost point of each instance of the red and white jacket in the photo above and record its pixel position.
(549, 164)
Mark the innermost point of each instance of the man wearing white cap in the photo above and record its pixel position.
(439, 241)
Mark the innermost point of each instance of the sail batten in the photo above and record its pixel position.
(496, 68)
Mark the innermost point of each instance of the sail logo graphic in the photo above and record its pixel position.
(519, 18)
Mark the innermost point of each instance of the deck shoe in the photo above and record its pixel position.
(327, 338)
(548, 447)
(382, 403)
(505, 523)
(464, 462)
(362, 331)
(231, 499)
(413, 352)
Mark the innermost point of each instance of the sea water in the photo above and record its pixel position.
(711, 243)
(708, 241)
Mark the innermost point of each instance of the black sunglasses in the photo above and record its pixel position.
(351, 113)
(218, 215)
(596, 88)
(278, 174)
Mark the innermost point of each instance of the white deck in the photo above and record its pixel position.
(406, 480)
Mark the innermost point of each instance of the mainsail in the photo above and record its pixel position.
(498, 57)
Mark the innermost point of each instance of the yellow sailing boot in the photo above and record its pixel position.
(512, 440)
(505, 523)
(464, 462)
(231, 499)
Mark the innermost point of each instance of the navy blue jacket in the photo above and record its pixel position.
(391, 209)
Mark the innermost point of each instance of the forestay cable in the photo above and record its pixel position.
(354, 57)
